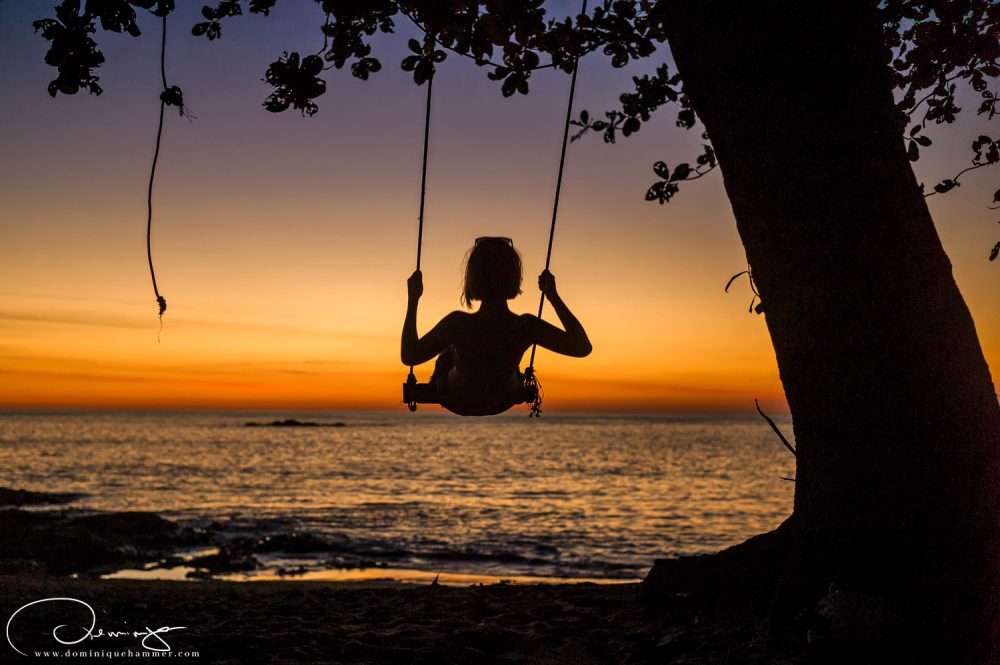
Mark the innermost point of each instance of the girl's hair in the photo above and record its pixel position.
(492, 270)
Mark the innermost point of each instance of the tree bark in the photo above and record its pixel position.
(895, 414)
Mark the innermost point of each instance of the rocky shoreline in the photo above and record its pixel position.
(63, 540)
(695, 610)
(46, 535)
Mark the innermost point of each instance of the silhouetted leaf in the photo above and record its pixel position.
(509, 86)
(707, 157)
(661, 191)
(262, 6)
(945, 186)
(685, 118)
(294, 85)
(364, 67)
(987, 150)
(498, 74)
(423, 71)
(312, 65)
(681, 172)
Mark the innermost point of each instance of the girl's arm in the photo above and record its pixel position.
(415, 350)
(572, 341)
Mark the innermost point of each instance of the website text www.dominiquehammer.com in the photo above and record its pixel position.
(126, 653)
(152, 642)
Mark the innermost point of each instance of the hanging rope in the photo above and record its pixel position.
(530, 380)
(530, 384)
(423, 169)
(412, 379)
(160, 300)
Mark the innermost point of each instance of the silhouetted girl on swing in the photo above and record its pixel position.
(477, 371)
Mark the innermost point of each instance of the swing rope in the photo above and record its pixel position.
(160, 300)
(530, 379)
(412, 379)
(423, 169)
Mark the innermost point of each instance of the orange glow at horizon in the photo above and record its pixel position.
(282, 244)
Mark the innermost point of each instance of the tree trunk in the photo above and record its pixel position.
(895, 415)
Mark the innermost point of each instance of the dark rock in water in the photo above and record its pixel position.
(12, 497)
(136, 527)
(226, 561)
(172, 561)
(65, 541)
(287, 422)
(291, 572)
(292, 422)
(233, 556)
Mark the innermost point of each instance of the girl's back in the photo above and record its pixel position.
(488, 347)
(478, 372)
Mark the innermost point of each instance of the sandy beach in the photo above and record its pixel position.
(383, 622)
(56, 565)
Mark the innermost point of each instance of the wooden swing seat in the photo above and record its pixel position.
(415, 393)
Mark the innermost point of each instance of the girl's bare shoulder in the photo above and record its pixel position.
(456, 318)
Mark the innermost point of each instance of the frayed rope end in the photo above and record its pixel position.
(534, 388)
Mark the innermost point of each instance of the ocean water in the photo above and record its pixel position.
(566, 496)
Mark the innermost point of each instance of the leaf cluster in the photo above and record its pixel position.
(939, 47)
(73, 51)
(934, 49)
(296, 83)
(669, 181)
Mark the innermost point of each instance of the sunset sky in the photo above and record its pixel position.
(282, 243)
